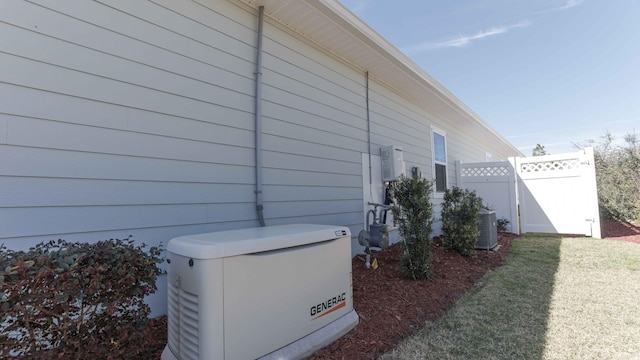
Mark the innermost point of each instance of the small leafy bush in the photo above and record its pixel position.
(75, 300)
(460, 220)
(503, 224)
(413, 212)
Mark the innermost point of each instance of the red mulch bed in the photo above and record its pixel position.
(614, 230)
(391, 307)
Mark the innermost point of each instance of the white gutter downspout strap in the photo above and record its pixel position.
(258, 118)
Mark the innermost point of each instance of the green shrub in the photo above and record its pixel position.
(618, 177)
(413, 212)
(75, 300)
(503, 224)
(460, 220)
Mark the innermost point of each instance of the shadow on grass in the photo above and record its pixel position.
(506, 317)
(532, 268)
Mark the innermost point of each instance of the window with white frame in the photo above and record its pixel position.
(439, 151)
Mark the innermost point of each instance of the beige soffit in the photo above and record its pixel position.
(333, 27)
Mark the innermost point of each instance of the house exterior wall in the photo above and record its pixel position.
(136, 118)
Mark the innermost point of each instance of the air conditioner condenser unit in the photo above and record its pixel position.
(488, 230)
(276, 292)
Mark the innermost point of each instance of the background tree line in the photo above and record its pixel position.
(618, 176)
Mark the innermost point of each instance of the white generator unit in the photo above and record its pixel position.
(276, 292)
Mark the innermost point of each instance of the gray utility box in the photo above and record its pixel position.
(488, 230)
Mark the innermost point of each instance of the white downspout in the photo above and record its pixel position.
(368, 134)
(258, 118)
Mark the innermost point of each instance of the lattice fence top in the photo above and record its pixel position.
(485, 171)
(553, 165)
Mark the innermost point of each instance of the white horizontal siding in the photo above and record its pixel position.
(305, 143)
(46, 221)
(311, 126)
(310, 164)
(323, 75)
(226, 43)
(4, 128)
(48, 163)
(396, 121)
(317, 178)
(310, 93)
(67, 55)
(35, 74)
(49, 192)
(311, 193)
(124, 117)
(34, 103)
(134, 118)
(70, 109)
(285, 209)
(31, 132)
(151, 106)
(38, 221)
(329, 114)
(314, 133)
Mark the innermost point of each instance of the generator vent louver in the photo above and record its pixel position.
(183, 322)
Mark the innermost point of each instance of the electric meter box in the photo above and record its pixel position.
(392, 162)
(275, 292)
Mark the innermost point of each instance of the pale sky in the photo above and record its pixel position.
(553, 72)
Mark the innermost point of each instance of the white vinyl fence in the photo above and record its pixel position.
(546, 194)
(495, 183)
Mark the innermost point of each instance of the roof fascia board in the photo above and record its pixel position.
(357, 30)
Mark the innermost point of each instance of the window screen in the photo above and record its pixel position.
(439, 148)
(440, 161)
(441, 178)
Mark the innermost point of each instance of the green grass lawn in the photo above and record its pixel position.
(555, 298)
